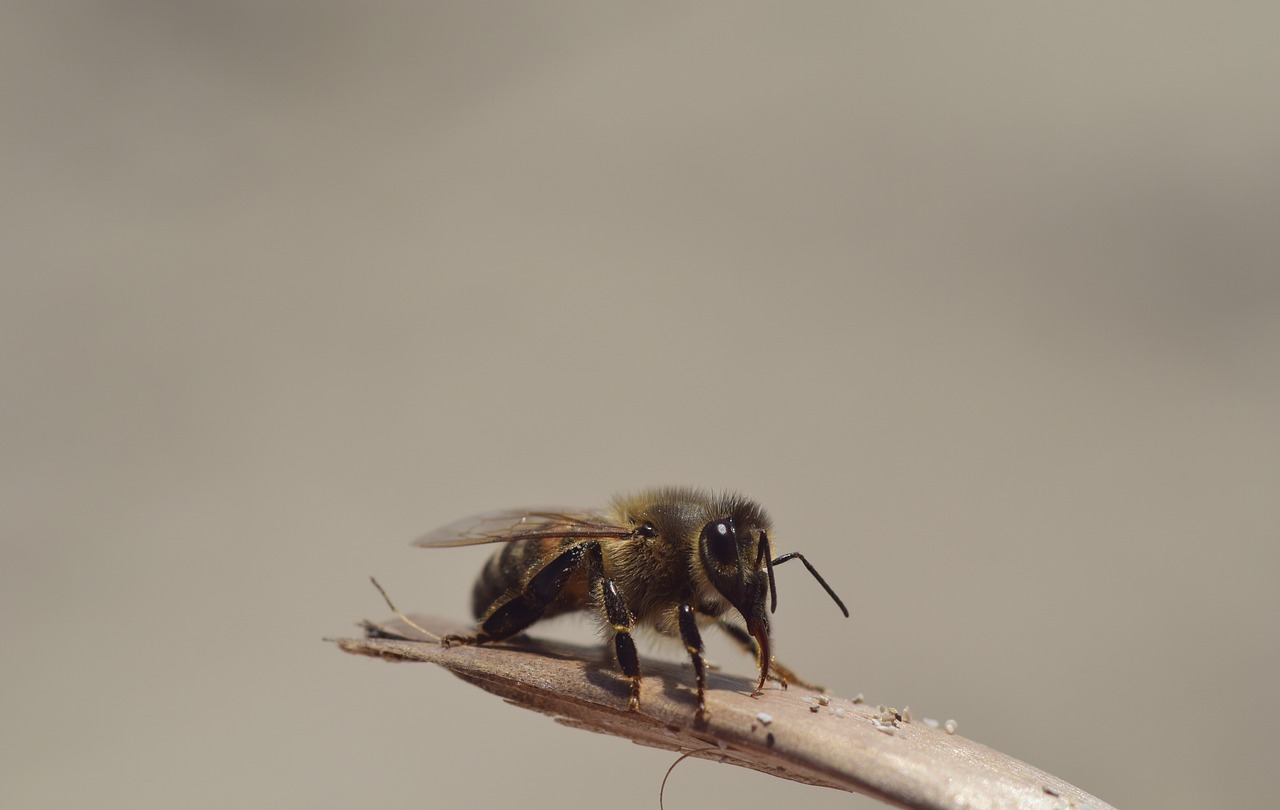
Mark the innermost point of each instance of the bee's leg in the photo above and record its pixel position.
(619, 617)
(693, 645)
(623, 645)
(780, 672)
(527, 606)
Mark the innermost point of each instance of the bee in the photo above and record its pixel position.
(674, 560)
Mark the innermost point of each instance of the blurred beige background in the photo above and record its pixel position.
(981, 301)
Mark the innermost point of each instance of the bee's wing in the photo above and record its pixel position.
(509, 525)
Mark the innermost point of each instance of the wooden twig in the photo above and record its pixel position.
(795, 734)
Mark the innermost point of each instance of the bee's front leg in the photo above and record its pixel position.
(693, 645)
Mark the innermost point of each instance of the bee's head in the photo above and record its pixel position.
(737, 557)
(738, 560)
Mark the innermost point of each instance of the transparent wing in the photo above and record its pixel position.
(509, 525)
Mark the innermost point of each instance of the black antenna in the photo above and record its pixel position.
(797, 555)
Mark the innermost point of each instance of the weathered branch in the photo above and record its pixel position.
(840, 744)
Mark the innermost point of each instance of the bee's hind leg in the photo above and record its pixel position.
(506, 619)
(779, 672)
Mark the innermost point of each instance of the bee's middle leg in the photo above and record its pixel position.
(624, 646)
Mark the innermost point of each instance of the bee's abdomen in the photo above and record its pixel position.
(506, 572)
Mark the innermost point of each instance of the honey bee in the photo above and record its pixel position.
(674, 560)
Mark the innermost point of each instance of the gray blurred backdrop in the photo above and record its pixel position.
(980, 300)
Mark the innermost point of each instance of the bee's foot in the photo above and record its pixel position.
(462, 641)
(786, 676)
(633, 700)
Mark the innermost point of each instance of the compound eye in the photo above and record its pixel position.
(722, 540)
